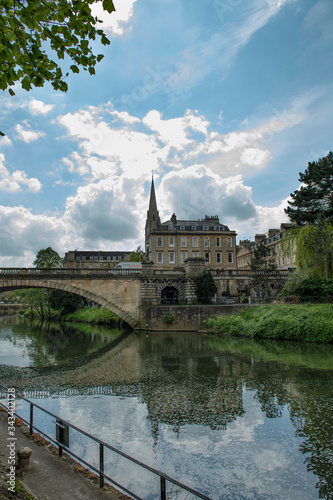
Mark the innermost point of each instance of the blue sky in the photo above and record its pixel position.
(226, 100)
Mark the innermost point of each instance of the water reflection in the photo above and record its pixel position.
(40, 343)
(236, 418)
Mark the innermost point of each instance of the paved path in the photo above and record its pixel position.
(50, 477)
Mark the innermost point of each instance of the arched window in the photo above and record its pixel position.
(169, 296)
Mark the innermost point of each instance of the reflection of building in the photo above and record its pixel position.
(170, 243)
(76, 259)
(246, 248)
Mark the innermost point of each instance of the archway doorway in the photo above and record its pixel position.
(169, 296)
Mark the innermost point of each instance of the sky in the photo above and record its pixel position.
(224, 101)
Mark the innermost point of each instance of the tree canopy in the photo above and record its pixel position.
(48, 258)
(314, 248)
(314, 200)
(29, 29)
(205, 287)
(263, 261)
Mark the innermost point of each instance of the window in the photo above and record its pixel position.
(159, 241)
(171, 257)
(195, 241)
(170, 226)
(230, 257)
(183, 257)
(218, 242)
(195, 255)
(159, 257)
(109, 257)
(218, 258)
(182, 228)
(193, 228)
(206, 241)
(207, 256)
(229, 242)
(205, 228)
(216, 228)
(171, 241)
(183, 241)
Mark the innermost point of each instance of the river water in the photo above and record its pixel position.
(232, 418)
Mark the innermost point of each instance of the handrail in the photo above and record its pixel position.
(102, 444)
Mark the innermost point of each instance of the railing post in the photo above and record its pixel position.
(163, 488)
(101, 465)
(31, 418)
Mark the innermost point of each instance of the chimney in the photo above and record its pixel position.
(259, 237)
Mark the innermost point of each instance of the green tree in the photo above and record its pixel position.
(36, 298)
(65, 301)
(314, 200)
(48, 258)
(205, 287)
(29, 29)
(137, 255)
(262, 263)
(314, 248)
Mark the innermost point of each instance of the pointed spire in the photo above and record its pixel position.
(152, 200)
(153, 218)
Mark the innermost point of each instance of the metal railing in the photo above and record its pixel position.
(62, 437)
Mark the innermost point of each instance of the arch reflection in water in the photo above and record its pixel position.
(232, 418)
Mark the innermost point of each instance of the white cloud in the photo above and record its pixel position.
(115, 21)
(125, 117)
(39, 108)
(5, 141)
(13, 181)
(24, 233)
(26, 134)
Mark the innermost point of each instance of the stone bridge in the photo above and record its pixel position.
(128, 292)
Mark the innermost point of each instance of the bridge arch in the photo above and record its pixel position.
(67, 287)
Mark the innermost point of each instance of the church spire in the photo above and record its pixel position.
(153, 219)
(152, 200)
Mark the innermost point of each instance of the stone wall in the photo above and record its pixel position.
(185, 318)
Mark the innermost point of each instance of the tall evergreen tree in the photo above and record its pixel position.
(262, 263)
(314, 200)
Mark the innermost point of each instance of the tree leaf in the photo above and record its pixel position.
(108, 6)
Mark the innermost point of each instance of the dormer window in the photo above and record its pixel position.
(206, 228)
(182, 228)
(193, 228)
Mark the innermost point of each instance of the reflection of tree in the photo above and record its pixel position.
(312, 415)
(54, 343)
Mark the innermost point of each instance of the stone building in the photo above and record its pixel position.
(85, 259)
(168, 244)
(246, 248)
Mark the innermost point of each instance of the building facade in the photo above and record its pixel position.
(171, 243)
(246, 248)
(85, 259)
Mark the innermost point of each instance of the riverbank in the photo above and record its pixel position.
(92, 315)
(304, 322)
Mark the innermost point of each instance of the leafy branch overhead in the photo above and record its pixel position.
(28, 30)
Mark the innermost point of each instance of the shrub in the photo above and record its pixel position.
(310, 322)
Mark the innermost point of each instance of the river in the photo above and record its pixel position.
(232, 418)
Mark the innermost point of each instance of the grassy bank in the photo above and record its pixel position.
(309, 323)
(85, 315)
